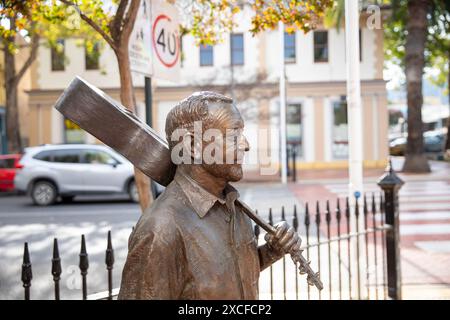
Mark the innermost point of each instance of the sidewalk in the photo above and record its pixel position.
(424, 214)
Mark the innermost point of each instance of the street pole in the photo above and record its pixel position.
(149, 117)
(354, 110)
(354, 115)
(148, 101)
(283, 158)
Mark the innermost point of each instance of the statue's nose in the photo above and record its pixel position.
(244, 144)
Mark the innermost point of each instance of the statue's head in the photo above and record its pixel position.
(206, 129)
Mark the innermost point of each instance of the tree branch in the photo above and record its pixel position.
(116, 23)
(128, 23)
(33, 54)
(89, 21)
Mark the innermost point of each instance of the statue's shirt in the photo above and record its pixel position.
(191, 244)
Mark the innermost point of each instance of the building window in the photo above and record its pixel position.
(289, 47)
(320, 46)
(237, 49)
(206, 55)
(57, 56)
(92, 56)
(294, 128)
(340, 129)
(73, 133)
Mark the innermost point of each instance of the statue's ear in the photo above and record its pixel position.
(192, 147)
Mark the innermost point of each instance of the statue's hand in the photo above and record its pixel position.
(285, 239)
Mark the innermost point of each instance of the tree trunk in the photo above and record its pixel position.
(415, 159)
(128, 100)
(447, 143)
(14, 140)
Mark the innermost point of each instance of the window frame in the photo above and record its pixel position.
(55, 64)
(294, 59)
(233, 49)
(341, 101)
(206, 49)
(321, 46)
(86, 56)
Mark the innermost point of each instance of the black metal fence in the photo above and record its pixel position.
(356, 251)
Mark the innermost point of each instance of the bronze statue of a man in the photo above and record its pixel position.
(195, 242)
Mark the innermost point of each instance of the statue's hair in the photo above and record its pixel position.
(193, 108)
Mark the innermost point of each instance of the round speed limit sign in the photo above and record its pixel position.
(166, 40)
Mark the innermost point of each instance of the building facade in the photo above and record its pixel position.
(244, 67)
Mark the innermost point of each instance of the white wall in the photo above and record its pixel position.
(106, 77)
(303, 70)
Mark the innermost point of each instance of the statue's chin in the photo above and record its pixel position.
(231, 173)
(235, 173)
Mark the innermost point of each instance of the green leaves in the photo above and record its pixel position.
(208, 21)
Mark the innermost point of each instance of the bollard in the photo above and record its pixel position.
(390, 183)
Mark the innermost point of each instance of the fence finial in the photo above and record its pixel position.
(338, 210)
(307, 221)
(27, 273)
(109, 256)
(295, 219)
(56, 267)
(84, 265)
(328, 213)
(317, 213)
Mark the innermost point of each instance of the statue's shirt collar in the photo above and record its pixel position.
(201, 199)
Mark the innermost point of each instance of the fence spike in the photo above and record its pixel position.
(56, 261)
(84, 265)
(56, 267)
(347, 208)
(307, 221)
(328, 213)
(295, 219)
(27, 273)
(356, 207)
(317, 213)
(109, 261)
(365, 205)
(283, 217)
(270, 217)
(338, 210)
(109, 257)
(374, 206)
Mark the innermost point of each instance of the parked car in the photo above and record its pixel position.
(9, 164)
(51, 171)
(433, 143)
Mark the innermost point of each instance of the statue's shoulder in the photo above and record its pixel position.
(166, 210)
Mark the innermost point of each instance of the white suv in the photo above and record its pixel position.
(68, 170)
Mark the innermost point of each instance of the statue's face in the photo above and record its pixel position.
(233, 143)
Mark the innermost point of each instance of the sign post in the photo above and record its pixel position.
(155, 49)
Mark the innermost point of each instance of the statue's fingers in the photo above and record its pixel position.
(291, 244)
(288, 236)
(281, 230)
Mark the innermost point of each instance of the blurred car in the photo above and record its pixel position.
(9, 164)
(433, 143)
(397, 146)
(51, 171)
